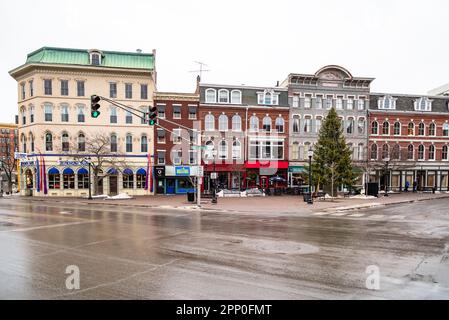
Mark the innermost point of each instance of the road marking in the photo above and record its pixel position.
(320, 213)
(398, 217)
(49, 226)
(65, 212)
(357, 215)
(339, 214)
(377, 216)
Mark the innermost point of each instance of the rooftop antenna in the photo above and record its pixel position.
(201, 70)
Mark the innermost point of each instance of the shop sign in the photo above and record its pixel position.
(182, 171)
(68, 163)
(27, 163)
(160, 172)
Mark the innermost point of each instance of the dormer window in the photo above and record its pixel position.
(423, 104)
(387, 102)
(95, 58)
(268, 97)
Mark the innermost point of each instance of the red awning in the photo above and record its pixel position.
(267, 164)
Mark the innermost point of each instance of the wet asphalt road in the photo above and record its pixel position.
(141, 253)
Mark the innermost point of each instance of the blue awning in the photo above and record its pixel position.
(53, 171)
(112, 171)
(128, 172)
(68, 171)
(83, 171)
(142, 172)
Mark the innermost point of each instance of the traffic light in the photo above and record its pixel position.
(152, 118)
(94, 106)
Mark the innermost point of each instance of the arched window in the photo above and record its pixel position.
(209, 151)
(128, 179)
(129, 143)
(350, 126)
(296, 124)
(211, 96)
(386, 128)
(385, 151)
(24, 115)
(223, 122)
(446, 130)
(421, 152)
(23, 139)
(306, 150)
(397, 128)
(48, 142)
(222, 150)
(444, 153)
(280, 124)
(295, 151)
(396, 152)
(113, 142)
(68, 178)
(141, 177)
(267, 99)
(65, 142)
(83, 179)
(81, 142)
(223, 96)
(411, 129)
(410, 152)
(32, 142)
(373, 152)
(236, 150)
(374, 127)
(209, 122)
(31, 114)
(54, 179)
(236, 97)
(421, 129)
(254, 124)
(236, 123)
(351, 148)
(266, 124)
(432, 129)
(144, 144)
(432, 152)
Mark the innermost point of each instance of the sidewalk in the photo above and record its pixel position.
(274, 204)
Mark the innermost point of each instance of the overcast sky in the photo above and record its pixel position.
(403, 44)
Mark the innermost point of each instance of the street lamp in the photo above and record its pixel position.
(90, 183)
(310, 154)
(387, 180)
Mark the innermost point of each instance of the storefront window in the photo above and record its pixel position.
(83, 179)
(54, 179)
(68, 179)
(128, 179)
(141, 178)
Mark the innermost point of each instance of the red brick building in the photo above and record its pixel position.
(172, 149)
(408, 141)
(245, 131)
(8, 145)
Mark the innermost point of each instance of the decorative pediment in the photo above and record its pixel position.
(333, 73)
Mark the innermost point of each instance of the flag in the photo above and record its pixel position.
(38, 176)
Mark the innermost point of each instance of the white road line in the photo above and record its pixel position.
(49, 226)
(357, 215)
(399, 217)
(339, 214)
(377, 216)
(320, 213)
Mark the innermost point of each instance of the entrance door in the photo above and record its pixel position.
(171, 186)
(235, 185)
(100, 186)
(29, 182)
(421, 180)
(113, 185)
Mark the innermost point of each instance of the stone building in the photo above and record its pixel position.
(56, 128)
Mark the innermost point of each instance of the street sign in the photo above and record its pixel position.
(160, 172)
(20, 155)
(214, 175)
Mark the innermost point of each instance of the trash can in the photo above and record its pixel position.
(306, 197)
(372, 189)
(190, 196)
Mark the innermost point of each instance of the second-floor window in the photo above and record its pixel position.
(192, 112)
(65, 113)
(113, 117)
(48, 109)
(143, 91)
(446, 129)
(80, 88)
(397, 129)
(209, 123)
(81, 117)
(129, 143)
(223, 123)
(128, 91)
(144, 144)
(266, 124)
(48, 90)
(112, 90)
(113, 143)
(64, 87)
(129, 117)
(176, 112)
(295, 124)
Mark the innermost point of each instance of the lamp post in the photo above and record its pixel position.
(387, 180)
(310, 154)
(90, 183)
(214, 192)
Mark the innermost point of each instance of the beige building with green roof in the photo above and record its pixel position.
(57, 132)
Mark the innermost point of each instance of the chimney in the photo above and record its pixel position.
(277, 83)
(139, 50)
(198, 80)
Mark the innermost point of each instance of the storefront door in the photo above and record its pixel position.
(171, 186)
(235, 185)
(113, 185)
(264, 182)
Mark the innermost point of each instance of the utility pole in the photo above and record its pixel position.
(198, 179)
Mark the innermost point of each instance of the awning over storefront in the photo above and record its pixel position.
(297, 169)
(68, 171)
(142, 172)
(53, 171)
(224, 167)
(267, 164)
(128, 172)
(83, 171)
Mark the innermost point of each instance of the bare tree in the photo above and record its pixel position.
(102, 154)
(8, 166)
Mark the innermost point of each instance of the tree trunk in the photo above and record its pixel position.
(95, 183)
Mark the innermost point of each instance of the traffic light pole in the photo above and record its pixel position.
(198, 179)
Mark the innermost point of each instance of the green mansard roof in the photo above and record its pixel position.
(110, 59)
